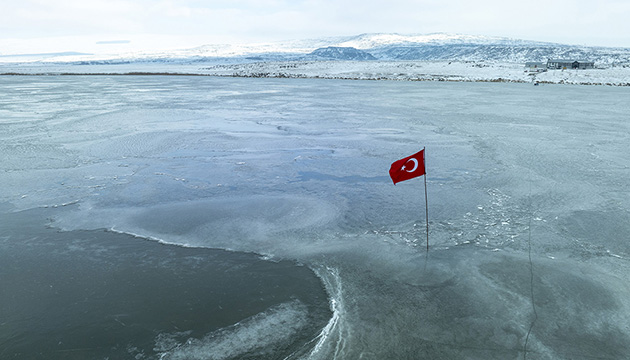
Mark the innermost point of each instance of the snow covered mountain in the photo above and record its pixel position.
(387, 47)
(439, 46)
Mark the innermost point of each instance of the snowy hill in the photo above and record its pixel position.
(440, 46)
(342, 53)
(455, 47)
(375, 41)
(387, 47)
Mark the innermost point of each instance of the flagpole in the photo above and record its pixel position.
(426, 199)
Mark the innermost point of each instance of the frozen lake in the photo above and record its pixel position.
(529, 205)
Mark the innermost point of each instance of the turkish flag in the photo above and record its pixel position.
(407, 168)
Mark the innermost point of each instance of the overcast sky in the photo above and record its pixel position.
(31, 26)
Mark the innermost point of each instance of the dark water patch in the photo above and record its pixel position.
(99, 294)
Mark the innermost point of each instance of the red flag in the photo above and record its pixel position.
(408, 168)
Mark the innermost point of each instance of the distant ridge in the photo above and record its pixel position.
(378, 46)
(422, 47)
(375, 40)
(342, 53)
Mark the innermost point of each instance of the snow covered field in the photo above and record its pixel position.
(356, 70)
(423, 70)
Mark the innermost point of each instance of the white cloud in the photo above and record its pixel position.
(171, 8)
(67, 17)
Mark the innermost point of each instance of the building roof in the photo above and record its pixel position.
(568, 61)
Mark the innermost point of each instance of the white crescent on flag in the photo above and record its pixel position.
(415, 165)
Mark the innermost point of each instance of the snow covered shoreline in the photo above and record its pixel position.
(468, 71)
(465, 71)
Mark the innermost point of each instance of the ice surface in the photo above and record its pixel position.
(297, 169)
(253, 337)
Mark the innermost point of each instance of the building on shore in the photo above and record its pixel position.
(535, 67)
(569, 64)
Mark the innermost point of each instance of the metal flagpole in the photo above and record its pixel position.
(426, 199)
